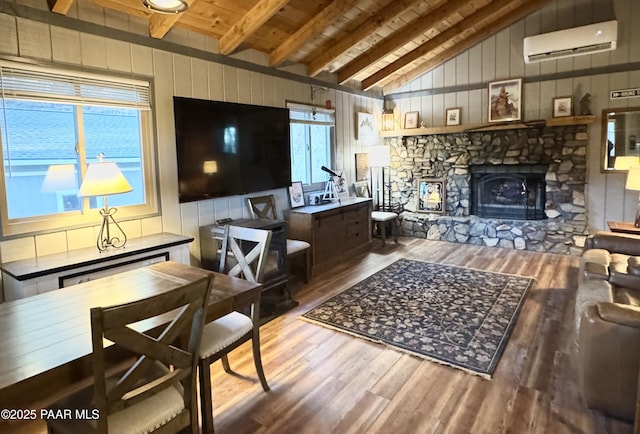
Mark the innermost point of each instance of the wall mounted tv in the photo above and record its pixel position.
(228, 149)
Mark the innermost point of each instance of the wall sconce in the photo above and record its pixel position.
(388, 123)
(166, 6)
(102, 179)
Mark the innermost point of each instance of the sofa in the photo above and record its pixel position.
(607, 321)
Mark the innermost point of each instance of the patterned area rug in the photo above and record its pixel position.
(457, 316)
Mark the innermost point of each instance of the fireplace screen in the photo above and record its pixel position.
(512, 192)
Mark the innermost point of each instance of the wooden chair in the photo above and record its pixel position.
(243, 255)
(379, 218)
(265, 207)
(156, 394)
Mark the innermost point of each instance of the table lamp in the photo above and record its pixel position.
(633, 183)
(102, 179)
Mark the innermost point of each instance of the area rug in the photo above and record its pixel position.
(458, 316)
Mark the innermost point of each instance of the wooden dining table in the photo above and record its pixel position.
(45, 340)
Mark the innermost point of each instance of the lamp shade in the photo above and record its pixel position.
(59, 177)
(379, 156)
(625, 162)
(633, 178)
(103, 178)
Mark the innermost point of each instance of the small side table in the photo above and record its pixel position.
(623, 227)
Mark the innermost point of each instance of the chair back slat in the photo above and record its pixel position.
(263, 207)
(249, 248)
(184, 308)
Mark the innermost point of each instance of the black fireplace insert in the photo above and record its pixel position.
(508, 191)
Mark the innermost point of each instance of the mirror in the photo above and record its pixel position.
(620, 139)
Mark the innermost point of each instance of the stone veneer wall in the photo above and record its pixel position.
(449, 156)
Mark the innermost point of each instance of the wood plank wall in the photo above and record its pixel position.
(501, 57)
(172, 74)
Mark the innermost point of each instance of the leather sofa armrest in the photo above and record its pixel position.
(621, 314)
(614, 242)
(608, 358)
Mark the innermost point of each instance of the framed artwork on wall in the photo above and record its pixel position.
(366, 128)
(452, 116)
(562, 106)
(296, 195)
(411, 120)
(432, 195)
(362, 166)
(505, 100)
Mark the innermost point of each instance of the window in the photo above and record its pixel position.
(53, 124)
(312, 143)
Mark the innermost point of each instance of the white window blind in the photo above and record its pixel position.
(40, 84)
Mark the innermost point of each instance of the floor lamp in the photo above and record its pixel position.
(103, 179)
(379, 158)
(633, 183)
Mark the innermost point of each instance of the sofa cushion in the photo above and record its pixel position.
(595, 264)
(618, 272)
(633, 265)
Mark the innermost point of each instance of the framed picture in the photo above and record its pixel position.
(432, 195)
(411, 120)
(562, 106)
(362, 189)
(296, 195)
(362, 166)
(366, 128)
(452, 116)
(505, 100)
(341, 186)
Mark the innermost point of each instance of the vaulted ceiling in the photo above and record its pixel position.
(366, 43)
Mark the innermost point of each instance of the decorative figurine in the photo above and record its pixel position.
(585, 105)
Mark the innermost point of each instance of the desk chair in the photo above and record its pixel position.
(158, 393)
(379, 218)
(223, 335)
(265, 207)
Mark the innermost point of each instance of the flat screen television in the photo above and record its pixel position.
(228, 149)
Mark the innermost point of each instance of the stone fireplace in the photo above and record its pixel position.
(517, 188)
(508, 191)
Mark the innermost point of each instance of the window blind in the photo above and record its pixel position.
(37, 83)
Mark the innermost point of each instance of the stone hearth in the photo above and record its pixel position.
(562, 150)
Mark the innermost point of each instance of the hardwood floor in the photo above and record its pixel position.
(324, 381)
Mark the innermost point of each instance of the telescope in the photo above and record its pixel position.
(329, 171)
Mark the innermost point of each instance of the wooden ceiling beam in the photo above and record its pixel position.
(411, 31)
(457, 29)
(160, 24)
(249, 23)
(480, 35)
(59, 6)
(314, 26)
(329, 53)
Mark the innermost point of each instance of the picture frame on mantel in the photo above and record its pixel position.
(505, 100)
(562, 106)
(411, 120)
(432, 195)
(452, 116)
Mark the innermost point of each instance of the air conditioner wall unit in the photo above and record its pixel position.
(593, 38)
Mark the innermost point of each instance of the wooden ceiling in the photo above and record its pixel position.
(366, 43)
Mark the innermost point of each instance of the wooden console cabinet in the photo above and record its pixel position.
(335, 231)
(29, 277)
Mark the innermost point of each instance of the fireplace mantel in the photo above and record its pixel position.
(549, 122)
